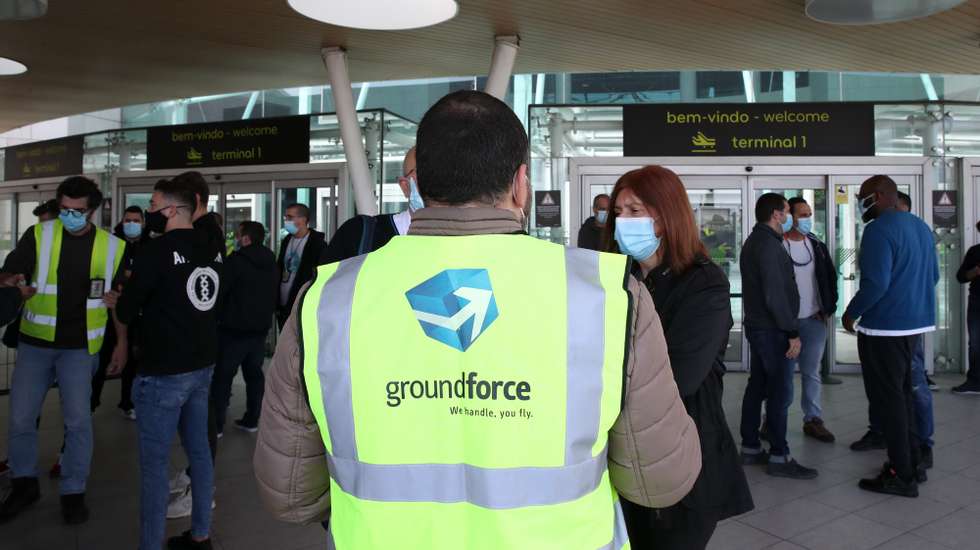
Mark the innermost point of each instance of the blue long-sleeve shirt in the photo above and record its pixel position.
(899, 272)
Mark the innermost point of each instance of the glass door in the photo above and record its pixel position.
(243, 201)
(321, 197)
(719, 214)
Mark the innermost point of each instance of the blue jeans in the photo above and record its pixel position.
(924, 424)
(166, 405)
(37, 368)
(813, 338)
(770, 380)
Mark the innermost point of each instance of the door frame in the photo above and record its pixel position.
(831, 168)
(278, 176)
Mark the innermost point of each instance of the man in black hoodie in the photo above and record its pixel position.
(248, 303)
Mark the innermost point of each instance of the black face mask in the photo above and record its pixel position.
(156, 222)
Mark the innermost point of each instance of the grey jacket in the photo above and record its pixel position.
(770, 297)
(654, 449)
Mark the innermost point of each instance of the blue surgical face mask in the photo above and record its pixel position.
(787, 224)
(132, 230)
(415, 201)
(601, 216)
(805, 225)
(290, 227)
(238, 245)
(636, 237)
(73, 220)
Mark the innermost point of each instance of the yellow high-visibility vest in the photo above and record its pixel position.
(40, 317)
(464, 388)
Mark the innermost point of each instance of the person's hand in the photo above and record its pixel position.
(848, 323)
(794, 348)
(12, 279)
(111, 298)
(27, 292)
(120, 354)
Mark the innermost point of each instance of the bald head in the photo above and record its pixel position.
(408, 171)
(878, 193)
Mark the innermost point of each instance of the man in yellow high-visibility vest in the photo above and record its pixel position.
(71, 263)
(466, 385)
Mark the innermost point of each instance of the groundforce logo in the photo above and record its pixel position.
(466, 387)
(455, 307)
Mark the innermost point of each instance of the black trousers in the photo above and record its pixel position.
(886, 365)
(691, 531)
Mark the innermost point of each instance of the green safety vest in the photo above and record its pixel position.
(40, 317)
(464, 388)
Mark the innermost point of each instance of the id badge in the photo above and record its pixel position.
(285, 275)
(96, 289)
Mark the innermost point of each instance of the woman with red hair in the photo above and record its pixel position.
(652, 221)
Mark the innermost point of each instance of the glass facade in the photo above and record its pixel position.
(579, 116)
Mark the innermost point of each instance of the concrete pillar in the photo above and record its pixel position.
(335, 59)
(502, 65)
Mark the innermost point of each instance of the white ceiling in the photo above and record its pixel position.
(96, 54)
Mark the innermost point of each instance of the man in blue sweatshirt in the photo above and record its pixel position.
(895, 304)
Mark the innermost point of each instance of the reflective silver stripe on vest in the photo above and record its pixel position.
(110, 260)
(498, 488)
(620, 536)
(95, 304)
(39, 319)
(44, 261)
(586, 352)
(49, 290)
(333, 359)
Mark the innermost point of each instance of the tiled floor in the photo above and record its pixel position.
(827, 513)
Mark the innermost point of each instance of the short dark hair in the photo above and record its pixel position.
(767, 204)
(134, 210)
(195, 181)
(49, 206)
(304, 210)
(255, 231)
(595, 201)
(794, 201)
(468, 147)
(77, 187)
(905, 199)
(177, 192)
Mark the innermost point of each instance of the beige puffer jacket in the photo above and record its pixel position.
(654, 451)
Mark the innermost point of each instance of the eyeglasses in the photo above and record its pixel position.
(72, 212)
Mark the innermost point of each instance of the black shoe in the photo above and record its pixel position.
(24, 492)
(760, 458)
(791, 469)
(920, 472)
(186, 542)
(73, 509)
(889, 483)
(870, 441)
(967, 388)
(925, 460)
(933, 386)
(830, 381)
(246, 427)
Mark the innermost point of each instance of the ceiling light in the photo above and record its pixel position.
(18, 10)
(382, 15)
(9, 67)
(872, 12)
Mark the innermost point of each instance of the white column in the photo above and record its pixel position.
(335, 59)
(502, 65)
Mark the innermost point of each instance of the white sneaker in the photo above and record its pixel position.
(180, 483)
(130, 414)
(182, 505)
